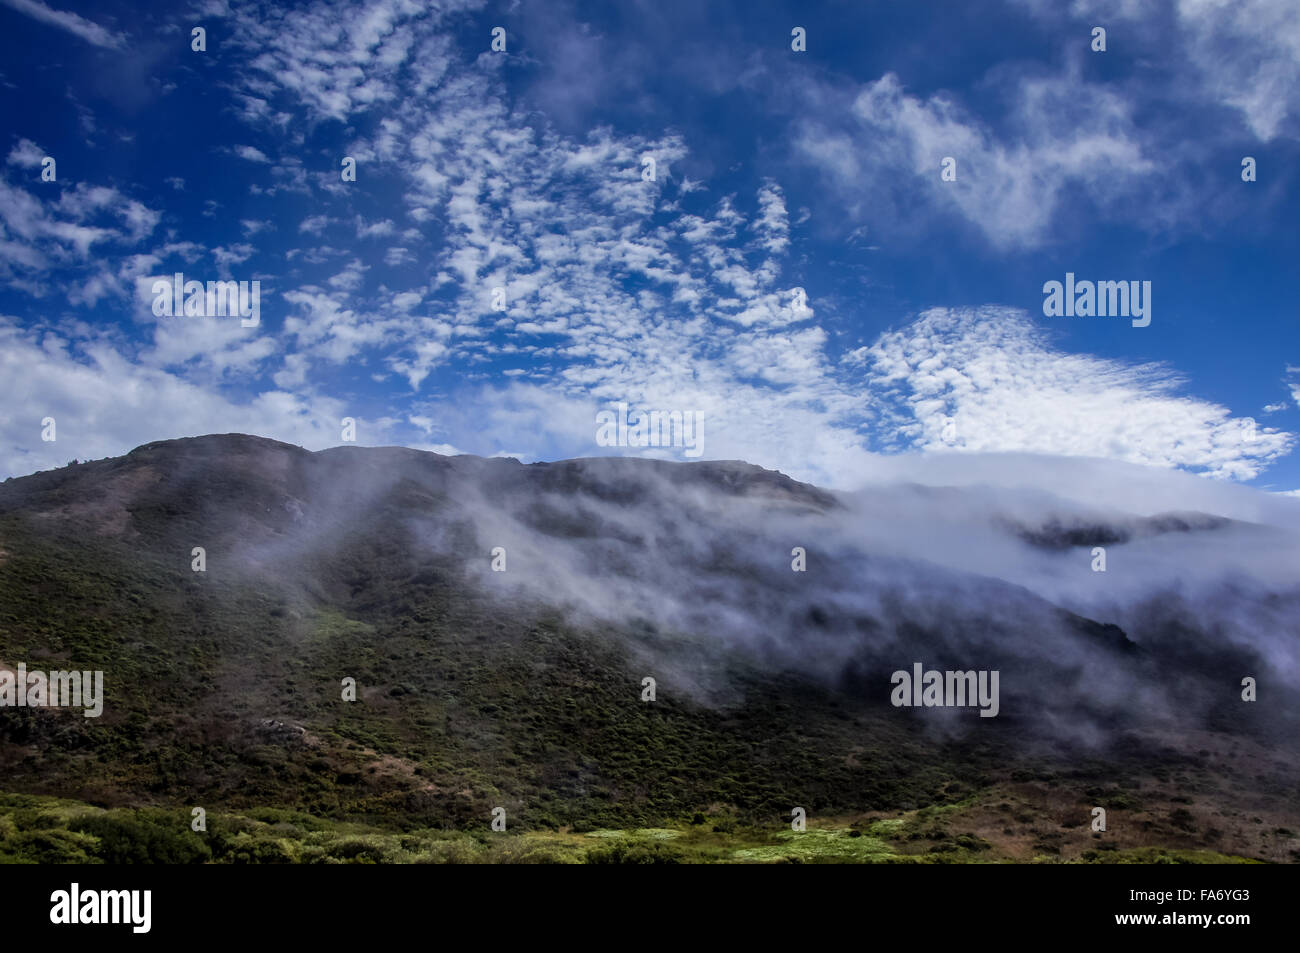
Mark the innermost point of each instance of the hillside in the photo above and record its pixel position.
(522, 689)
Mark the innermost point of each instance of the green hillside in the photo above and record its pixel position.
(224, 691)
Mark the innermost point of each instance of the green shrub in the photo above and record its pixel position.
(142, 839)
(634, 852)
(49, 847)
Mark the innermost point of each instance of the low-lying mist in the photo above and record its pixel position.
(700, 567)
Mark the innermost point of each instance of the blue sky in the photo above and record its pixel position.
(924, 329)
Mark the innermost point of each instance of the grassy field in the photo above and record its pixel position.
(37, 829)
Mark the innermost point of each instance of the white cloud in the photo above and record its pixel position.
(37, 237)
(990, 377)
(313, 224)
(1248, 55)
(26, 154)
(105, 402)
(88, 30)
(1069, 136)
(251, 153)
(1243, 54)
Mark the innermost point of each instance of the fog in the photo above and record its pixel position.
(993, 571)
(959, 562)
